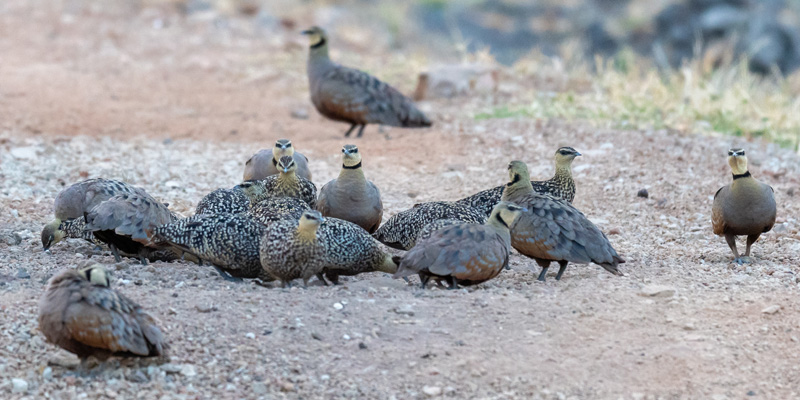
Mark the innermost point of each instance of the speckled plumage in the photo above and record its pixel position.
(80, 313)
(744, 207)
(349, 95)
(126, 222)
(273, 209)
(402, 229)
(76, 228)
(221, 201)
(561, 185)
(227, 241)
(554, 230)
(291, 249)
(285, 184)
(350, 250)
(463, 253)
(351, 196)
(264, 162)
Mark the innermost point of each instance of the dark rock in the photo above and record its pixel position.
(22, 273)
(643, 193)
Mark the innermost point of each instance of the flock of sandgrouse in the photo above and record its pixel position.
(275, 225)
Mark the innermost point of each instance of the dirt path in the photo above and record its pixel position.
(75, 104)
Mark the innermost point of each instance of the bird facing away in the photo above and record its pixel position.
(273, 209)
(350, 250)
(560, 185)
(402, 229)
(229, 242)
(82, 314)
(265, 162)
(221, 201)
(74, 201)
(553, 230)
(291, 249)
(465, 253)
(125, 222)
(745, 207)
(285, 184)
(351, 196)
(349, 95)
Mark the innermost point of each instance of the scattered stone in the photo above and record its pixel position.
(643, 193)
(346, 337)
(259, 388)
(250, 335)
(614, 231)
(25, 153)
(68, 362)
(432, 391)
(19, 385)
(657, 291)
(404, 310)
(338, 306)
(171, 368)
(286, 386)
(205, 308)
(13, 239)
(300, 113)
(188, 370)
(137, 376)
(771, 309)
(47, 373)
(362, 346)
(22, 273)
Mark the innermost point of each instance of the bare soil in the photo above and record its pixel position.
(176, 104)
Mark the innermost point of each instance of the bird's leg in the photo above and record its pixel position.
(731, 239)
(545, 264)
(115, 251)
(349, 131)
(305, 283)
(142, 257)
(424, 279)
(226, 276)
(361, 131)
(452, 281)
(322, 279)
(333, 277)
(562, 266)
(750, 240)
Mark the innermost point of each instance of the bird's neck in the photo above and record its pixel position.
(519, 187)
(306, 233)
(287, 179)
(352, 173)
(500, 227)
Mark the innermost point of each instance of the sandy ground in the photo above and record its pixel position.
(178, 110)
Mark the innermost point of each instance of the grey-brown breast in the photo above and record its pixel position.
(553, 229)
(229, 241)
(219, 201)
(402, 229)
(356, 201)
(90, 320)
(346, 94)
(471, 253)
(745, 207)
(262, 165)
(273, 209)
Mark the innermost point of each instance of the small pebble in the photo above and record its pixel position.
(643, 193)
(300, 113)
(338, 306)
(250, 335)
(22, 273)
(19, 385)
(205, 308)
(771, 309)
(432, 391)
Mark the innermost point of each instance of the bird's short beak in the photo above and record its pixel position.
(307, 32)
(286, 170)
(578, 154)
(323, 219)
(524, 209)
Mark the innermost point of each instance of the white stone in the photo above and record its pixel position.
(19, 385)
(658, 291)
(188, 370)
(771, 309)
(432, 391)
(338, 306)
(26, 153)
(250, 335)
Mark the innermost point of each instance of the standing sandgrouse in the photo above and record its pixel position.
(265, 162)
(745, 207)
(349, 95)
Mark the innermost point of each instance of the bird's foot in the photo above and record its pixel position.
(743, 260)
(226, 276)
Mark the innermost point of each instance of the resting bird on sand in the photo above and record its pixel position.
(82, 314)
(463, 254)
(559, 186)
(745, 207)
(349, 95)
(554, 230)
(291, 249)
(402, 229)
(265, 162)
(72, 202)
(351, 196)
(285, 184)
